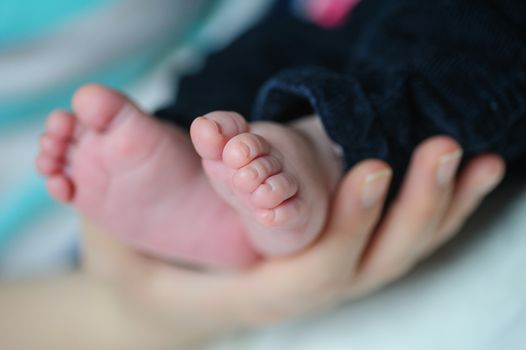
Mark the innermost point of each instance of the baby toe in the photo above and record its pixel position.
(53, 146)
(47, 165)
(275, 190)
(61, 125)
(60, 187)
(248, 178)
(244, 148)
(286, 215)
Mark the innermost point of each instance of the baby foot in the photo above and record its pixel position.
(271, 174)
(139, 179)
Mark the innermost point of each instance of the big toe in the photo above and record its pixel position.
(210, 133)
(129, 132)
(97, 106)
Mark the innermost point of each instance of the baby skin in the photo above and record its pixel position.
(223, 197)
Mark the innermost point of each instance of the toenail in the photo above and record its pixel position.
(243, 150)
(217, 127)
(491, 182)
(213, 124)
(262, 193)
(375, 187)
(266, 187)
(47, 146)
(267, 216)
(249, 173)
(447, 167)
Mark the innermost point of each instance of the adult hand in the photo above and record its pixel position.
(357, 253)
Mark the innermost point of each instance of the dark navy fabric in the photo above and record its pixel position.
(398, 72)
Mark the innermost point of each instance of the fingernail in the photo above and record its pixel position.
(491, 183)
(375, 186)
(447, 167)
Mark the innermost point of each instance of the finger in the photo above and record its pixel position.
(355, 213)
(481, 175)
(413, 217)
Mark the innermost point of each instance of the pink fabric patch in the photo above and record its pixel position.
(330, 13)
